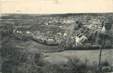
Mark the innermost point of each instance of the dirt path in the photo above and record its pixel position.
(91, 56)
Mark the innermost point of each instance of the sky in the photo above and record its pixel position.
(55, 6)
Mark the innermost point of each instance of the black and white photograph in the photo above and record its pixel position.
(71, 42)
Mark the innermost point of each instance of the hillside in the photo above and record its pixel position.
(54, 28)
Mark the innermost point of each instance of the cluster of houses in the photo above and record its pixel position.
(61, 29)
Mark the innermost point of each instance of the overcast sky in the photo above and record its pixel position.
(55, 6)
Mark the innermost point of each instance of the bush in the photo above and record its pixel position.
(20, 60)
